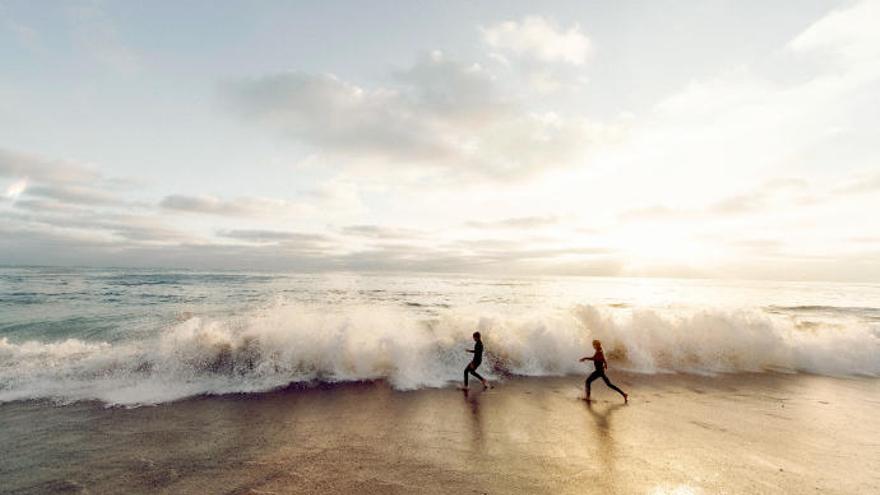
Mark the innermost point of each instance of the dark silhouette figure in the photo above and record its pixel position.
(601, 365)
(475, 362)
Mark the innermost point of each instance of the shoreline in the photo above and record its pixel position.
(744, 433)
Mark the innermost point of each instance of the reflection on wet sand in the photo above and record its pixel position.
(477, 434)
(527, 436)
(602, 416)
(602, 427)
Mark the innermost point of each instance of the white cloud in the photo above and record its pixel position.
(540, 39)
(238, 207)
(63, 182)
(333, 114)
(380, 232)
(776, 194)
(453, 90)
(302, 240)
(40, 168)
(442, 115)
(852, 33)
(14, 190)
(864, 183)
(727, 131)
(113, 228)
(73, 194)
(515, 223)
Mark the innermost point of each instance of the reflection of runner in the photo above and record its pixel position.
(475, 362)
(601, 365)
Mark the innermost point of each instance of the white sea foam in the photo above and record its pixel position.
(278, 346)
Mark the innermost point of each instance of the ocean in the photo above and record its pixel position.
(132, 337)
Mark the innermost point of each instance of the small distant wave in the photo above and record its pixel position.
(127, 279)
(825, 309)
(868, 313)
(278, 346)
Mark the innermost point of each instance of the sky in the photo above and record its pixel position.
(711, 138)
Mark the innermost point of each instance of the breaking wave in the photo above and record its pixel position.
(279, 346)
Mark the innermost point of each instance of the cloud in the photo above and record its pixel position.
(850, 34)
(539, 39)
(276, 236)
(14, 190)
(774, 193)
(862, 184)
(763, 245)
(743, 203)
(449, 89)
(741, 123)
(380, 232)
(110, 228)
(515, 223)
(48, 183)
(65, 202)
(865, 239)
(441, 115)
(280, 250)
(338, 195)
(655, 212)
(76, 195)
(239, 207)
(542, 254)
(337, 116)
(38, 168)
(538, 55)
(482, 257)
(143, 229)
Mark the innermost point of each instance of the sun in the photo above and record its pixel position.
(648, 245)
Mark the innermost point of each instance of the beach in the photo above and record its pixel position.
(680, 434)
(188, 382)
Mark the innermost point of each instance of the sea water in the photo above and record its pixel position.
(139, 336)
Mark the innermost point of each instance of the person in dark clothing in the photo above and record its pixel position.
(601, 365)
(475, 362)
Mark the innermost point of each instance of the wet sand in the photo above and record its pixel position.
(757, 433)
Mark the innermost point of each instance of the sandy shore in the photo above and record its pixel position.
(761, 433)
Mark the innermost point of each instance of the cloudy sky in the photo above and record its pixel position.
(706, 138)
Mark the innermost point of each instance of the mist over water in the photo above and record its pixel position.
(149, 336)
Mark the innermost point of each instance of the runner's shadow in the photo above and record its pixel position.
(605, 445)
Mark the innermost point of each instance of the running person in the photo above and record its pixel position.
(601, 365)
(475, 362)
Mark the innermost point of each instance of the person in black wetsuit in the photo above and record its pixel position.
(601, 365)
(475, 362)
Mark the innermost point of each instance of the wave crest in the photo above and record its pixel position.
(275, 347)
